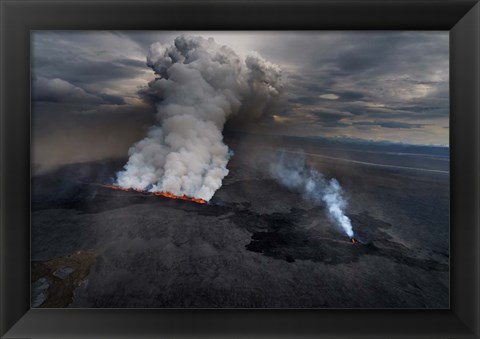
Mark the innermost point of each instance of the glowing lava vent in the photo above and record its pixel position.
(353, 240)
(163, 194)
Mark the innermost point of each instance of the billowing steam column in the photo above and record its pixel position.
(291, 171)
(200, 85)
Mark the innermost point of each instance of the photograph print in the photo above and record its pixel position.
(288, 169)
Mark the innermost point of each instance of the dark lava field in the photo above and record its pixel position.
(255, 245)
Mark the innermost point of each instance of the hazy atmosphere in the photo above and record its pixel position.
(88, 88)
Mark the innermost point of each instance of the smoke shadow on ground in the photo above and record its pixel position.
(279, 236)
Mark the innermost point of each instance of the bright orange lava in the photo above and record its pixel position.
(163, 194)
(183, 197)
(353, 240)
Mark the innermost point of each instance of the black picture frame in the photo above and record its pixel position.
(18, 17)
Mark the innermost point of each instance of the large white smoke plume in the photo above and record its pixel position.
(292, 172)
(200, 85)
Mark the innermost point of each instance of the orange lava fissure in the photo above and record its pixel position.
(163, 194)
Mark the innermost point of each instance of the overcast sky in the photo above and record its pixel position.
(370, 85)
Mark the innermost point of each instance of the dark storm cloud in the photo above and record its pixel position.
(85, 104)
(58, 90)
(375, 76)
(373, 52)
(337, 83)
(88, 72)
(329, 115)
(112, 99)
(96, 62)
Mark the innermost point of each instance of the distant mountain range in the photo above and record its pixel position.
(352, 144)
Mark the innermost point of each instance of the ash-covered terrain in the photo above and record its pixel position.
(256, 244)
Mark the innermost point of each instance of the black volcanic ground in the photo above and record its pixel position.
(256, 244)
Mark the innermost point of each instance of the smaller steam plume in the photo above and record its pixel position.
(292, 172)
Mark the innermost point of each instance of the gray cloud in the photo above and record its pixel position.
(112, 99)
(86, 71)
(391, 85)
(58, 90)
(377, 76)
